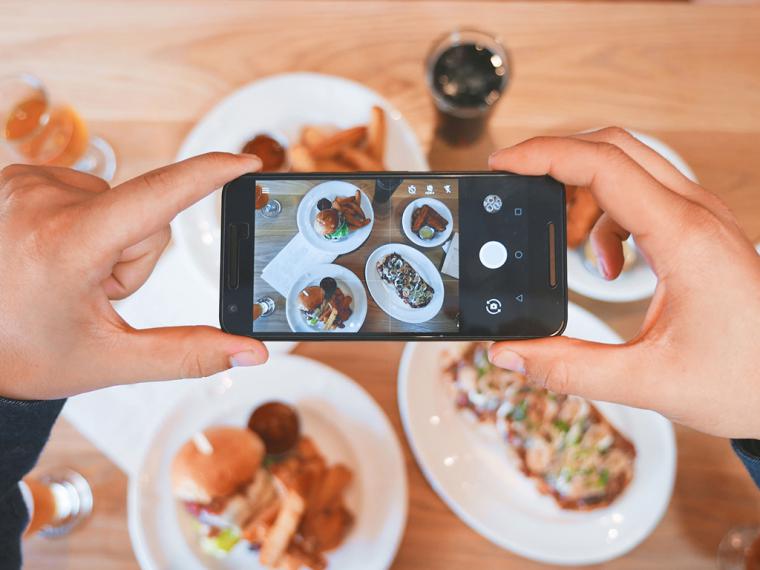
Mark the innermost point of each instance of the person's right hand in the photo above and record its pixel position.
(696, 358)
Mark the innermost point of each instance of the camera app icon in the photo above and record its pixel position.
(493, 306)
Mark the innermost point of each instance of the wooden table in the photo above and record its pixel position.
(273, 234)
(143, 72)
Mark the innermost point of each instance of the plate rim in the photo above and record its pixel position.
(482, 530)
(142, 554)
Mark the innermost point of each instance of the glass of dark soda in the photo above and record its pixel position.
(467, 71)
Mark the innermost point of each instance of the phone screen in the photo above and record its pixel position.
(412, 255)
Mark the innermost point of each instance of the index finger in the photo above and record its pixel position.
(142, 206)
(620, 185)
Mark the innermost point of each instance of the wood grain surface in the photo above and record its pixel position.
(143, 72)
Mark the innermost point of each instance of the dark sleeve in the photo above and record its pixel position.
(24, 428)
(748, 451)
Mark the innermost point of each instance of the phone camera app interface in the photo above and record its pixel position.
(344, 256)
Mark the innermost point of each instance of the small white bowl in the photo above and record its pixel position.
(440, 237)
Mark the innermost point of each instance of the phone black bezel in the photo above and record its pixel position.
(238, 206)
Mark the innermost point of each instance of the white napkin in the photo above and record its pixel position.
(120, 421)
(451, 261)
(293, 260)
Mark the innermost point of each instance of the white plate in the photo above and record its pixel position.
(385, 295)
(640, 281)
(307, 213)
(347, 281)
(440, 208)
(467, 465)
(280, 105)
(345, 422)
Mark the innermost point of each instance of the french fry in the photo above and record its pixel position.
(331, 165)
(360, 160)
(301, 159)
(282, 531)
(376, 134)
(312, 135)
(334, 144)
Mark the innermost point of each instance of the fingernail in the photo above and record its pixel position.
(508, 360)
(602, 267)
(246, 358)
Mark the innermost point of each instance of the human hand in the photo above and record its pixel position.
(69, 244)
(695, 358)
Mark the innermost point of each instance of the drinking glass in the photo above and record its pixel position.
(263, 307)
(269, 207)
(58, 500)
(38, 131)
(467, 72)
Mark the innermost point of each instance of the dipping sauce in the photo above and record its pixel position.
(271, 152)
(277, 425)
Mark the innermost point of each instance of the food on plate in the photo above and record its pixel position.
(325, 306)
(277, 425)
(409, 285)
(426, 222)
(288, 506)
(327, 149)
(562, 442)
(337, 219)
(269, 150)
(582, 214)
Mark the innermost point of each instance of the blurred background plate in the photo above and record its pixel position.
(637, 283)
(280, 105)
(475, 477)
(345, 423)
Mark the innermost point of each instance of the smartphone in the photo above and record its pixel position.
(393, 256)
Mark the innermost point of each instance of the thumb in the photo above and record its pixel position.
(571, 366)
(186, 352)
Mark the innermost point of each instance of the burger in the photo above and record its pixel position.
(311, 301)
(223, 487)
(331, 224)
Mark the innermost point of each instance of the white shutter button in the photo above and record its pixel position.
(493, 254)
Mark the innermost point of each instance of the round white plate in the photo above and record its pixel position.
(440, 208)
(468, 466)
(346, 424)
(637, 283)
(307, 213)
(280, 105)
(347, 281)
(385, 296)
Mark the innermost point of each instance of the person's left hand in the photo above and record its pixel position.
(69, 244)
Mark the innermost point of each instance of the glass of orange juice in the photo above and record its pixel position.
(58, 500)
(39, 132)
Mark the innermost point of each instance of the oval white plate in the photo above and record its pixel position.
(468, 466)
(280, 105)
(307, 213)
(440, 208)
(345, 422)
(385, 296)
(348, 282)
(640, 281)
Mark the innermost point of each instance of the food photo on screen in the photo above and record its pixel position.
(376, 255)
